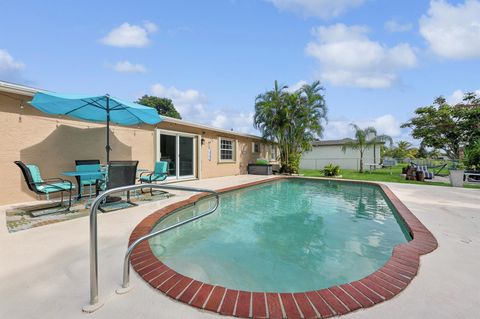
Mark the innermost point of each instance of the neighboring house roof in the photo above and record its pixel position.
(29, 91)
(335, 142)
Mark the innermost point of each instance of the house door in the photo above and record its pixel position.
(178, 150)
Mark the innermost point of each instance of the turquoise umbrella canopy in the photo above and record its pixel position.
(102, 108)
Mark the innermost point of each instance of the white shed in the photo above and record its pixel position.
(330, 151)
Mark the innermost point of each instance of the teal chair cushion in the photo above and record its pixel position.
(159, 173)
(55, 187)
(161, 168)
(35, 172)
(153, 178)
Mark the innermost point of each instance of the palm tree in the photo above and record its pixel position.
(292, 119)
(364, 139)
(270, 114)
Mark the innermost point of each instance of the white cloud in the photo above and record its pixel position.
(317, 8)
(229, 119)
(395, 26)
(453, 31)
(150, 26)
(130, 35)
(189, 96)
(457, 96)
(348, 57)
(10, 69)
(128, 67)
(341, 128)
(193, 106)
(296, 86)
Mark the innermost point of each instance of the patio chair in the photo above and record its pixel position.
(119, 173)
(159, 173)
(45, 187)
(86, 166)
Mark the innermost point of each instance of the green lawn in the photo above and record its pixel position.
(378, 175)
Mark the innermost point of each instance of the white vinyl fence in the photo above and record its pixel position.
(345, 163)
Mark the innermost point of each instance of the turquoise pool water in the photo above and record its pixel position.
(284, 236)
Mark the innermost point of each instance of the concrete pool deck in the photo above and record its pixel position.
(44, 271)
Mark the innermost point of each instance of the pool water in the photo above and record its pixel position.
(289, 235)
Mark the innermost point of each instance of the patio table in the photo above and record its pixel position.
(90, 175)
(94, 174)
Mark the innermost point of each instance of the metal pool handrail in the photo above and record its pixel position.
(94, 301)
(126, 262)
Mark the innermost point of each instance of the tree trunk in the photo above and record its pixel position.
(361, 162)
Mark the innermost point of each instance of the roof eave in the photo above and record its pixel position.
(17, 89)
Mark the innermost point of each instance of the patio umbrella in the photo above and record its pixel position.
(97, 109)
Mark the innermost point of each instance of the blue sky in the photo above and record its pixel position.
(378, 60)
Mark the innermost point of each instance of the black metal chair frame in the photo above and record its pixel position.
(48, 182)
(78, 178)
(110, 184)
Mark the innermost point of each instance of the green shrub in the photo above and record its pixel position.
(472, 156)
(261, 161)
(331, 170)
(293, 165)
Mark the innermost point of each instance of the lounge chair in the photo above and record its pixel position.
(86, 166)
(159, 173)
(119, 173)
(45, 187)
(426, 173)
(436, 169)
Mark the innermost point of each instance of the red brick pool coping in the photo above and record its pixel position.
(382, 285)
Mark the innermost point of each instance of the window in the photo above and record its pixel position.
(255, 147)
(226, 150)
(273, 152)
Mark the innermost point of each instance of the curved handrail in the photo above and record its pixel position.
(94, 302)
(126, 262)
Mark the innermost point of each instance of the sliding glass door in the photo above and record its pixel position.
(185, 156)
(168, 152)
(179, 151)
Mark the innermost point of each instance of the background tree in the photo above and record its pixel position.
(365, 139)
(291, 119)
(403, 149)
(472, 156)
(163, 105)
(445, 127)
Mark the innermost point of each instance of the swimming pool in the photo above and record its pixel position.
(286, 236)
(288, 247)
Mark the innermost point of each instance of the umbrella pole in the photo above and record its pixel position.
(107, 147)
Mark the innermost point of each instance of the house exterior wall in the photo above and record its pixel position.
(55, 142)
(324, 154)
(212, 167)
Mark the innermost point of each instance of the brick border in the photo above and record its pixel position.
(382, 285)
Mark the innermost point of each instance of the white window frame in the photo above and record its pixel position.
(234, 150)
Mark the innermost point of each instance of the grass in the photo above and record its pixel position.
(378, 175)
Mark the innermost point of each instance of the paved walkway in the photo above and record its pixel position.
(44, 271)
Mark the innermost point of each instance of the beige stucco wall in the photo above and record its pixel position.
(213, 167)
(54, 142)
